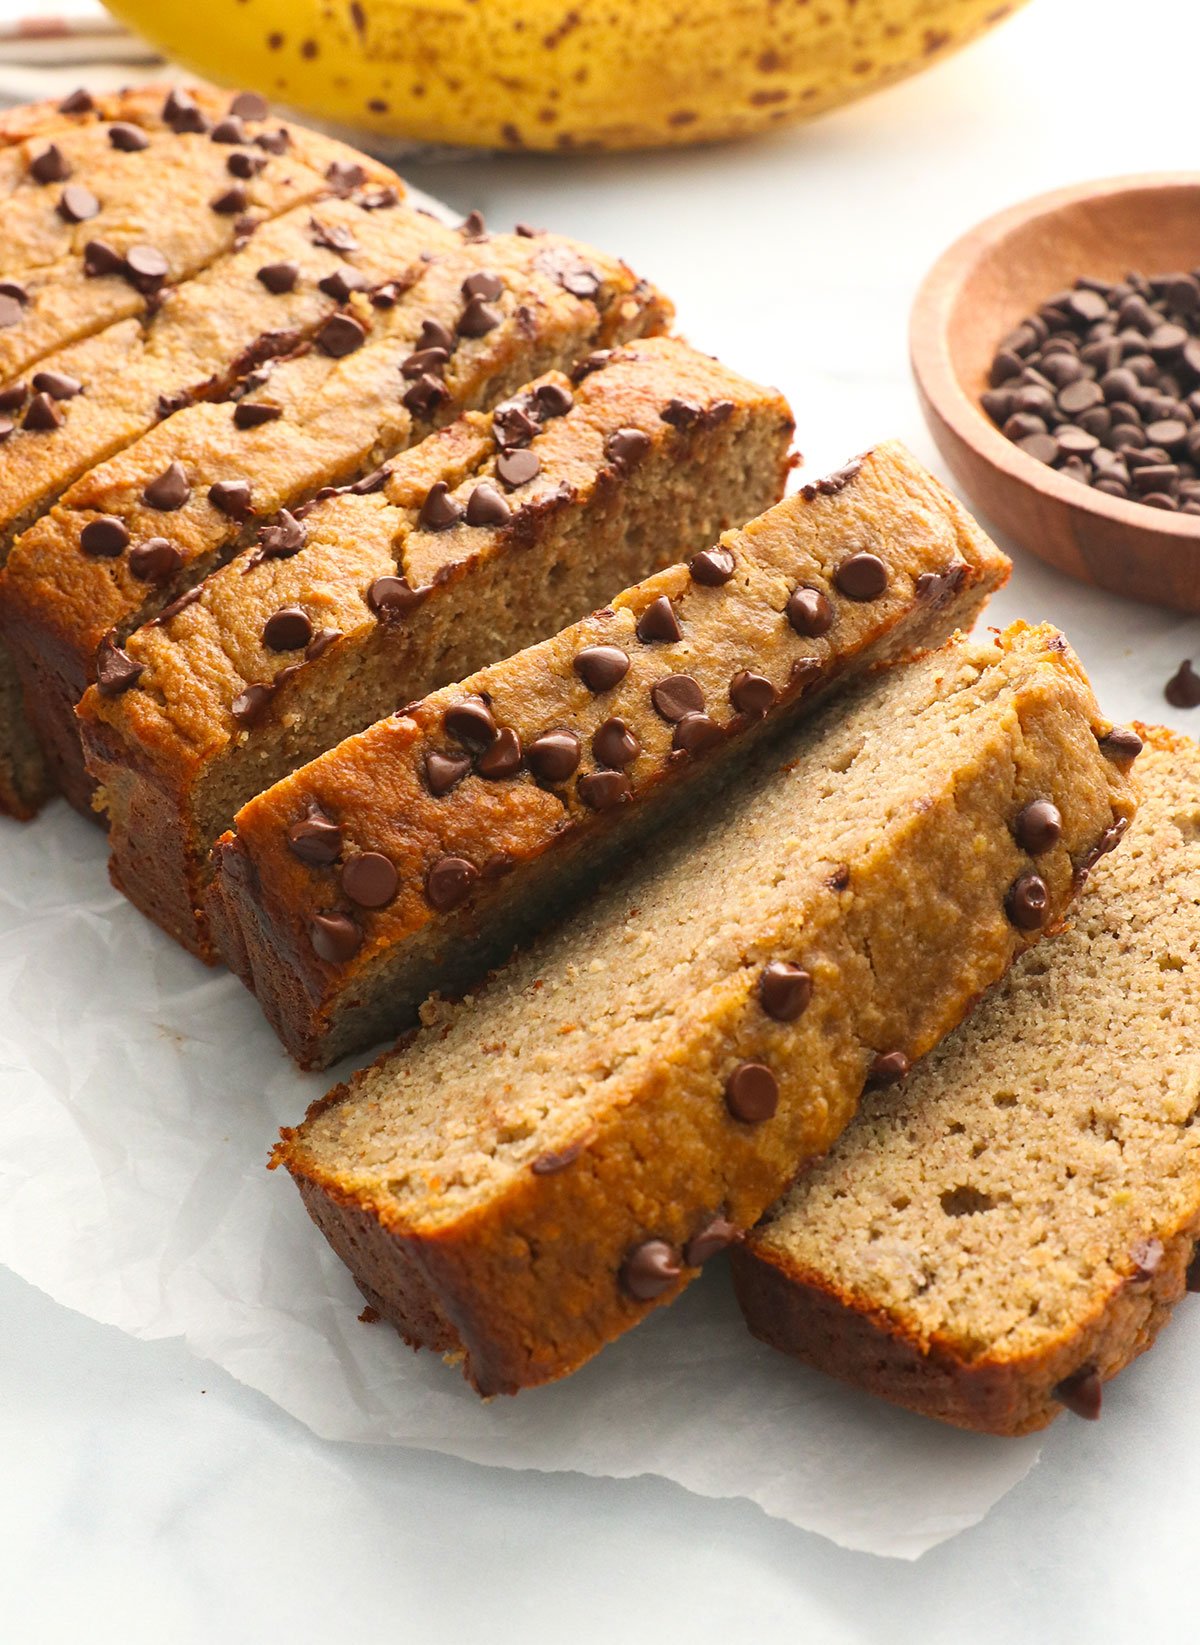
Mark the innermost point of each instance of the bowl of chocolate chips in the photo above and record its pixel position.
(1056, 350)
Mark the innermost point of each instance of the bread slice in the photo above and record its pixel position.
(549, 1158)
(654, 450)
(997, 1237)
(333, 417)
(564, 778)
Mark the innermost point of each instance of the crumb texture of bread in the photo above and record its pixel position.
(546, 1160)
(176, 755)
(1017, 1220)
(406, 789)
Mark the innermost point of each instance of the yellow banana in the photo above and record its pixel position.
(561, 74)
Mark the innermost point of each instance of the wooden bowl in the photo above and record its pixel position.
(975, 295)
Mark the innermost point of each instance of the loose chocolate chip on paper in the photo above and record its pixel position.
(316, 839)
(370, 879)
(603, 790)
(232, 498)
(448, 882)
(76, 204)
(116, 670)
(335, 937)
(752, 1093)
(1038, 827)
(503, 758)
(104, 537)
(1082, 1392)
(752, 694)
(554, 756)
(711, 567)
(601, 667)
(288, 629)
(862, 577)
(1182, 690)
(650, 1269)
(50, 166)
(155, 561)
(677, 695)
(1028, 902)
(784, 990)
(443, 771)
(169, 490)
(658, 623)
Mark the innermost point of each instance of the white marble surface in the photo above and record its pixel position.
(146, 1496)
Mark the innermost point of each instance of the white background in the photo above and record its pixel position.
(145, 1496)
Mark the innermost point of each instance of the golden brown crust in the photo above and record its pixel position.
(525, 1266)
(377, 788)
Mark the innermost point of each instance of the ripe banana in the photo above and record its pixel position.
(561, 74)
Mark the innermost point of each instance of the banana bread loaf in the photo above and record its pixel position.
(993, 1240)
(546, 1160)
(103, 206)
(333, 901)
(135, 533)
(374, 599)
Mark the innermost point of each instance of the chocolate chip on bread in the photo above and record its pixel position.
(994, 1239)
(544, 1162)
(137, 532)
(535, 774)
(462, 554)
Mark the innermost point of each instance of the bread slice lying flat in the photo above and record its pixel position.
(995, 1238)
(547, 1160)
(333, 900)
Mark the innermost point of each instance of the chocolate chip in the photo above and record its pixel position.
(126, 138)
(625, 446)
(43, 415)
(486, 507)
(145, 268)
(449, 882)
(279, 277)
(752, 1093)
(503, 758)
(116, 670)
(10, 311)
(316, 839)
(77, 204)
(77, 102)
(440, 511)
(659, 623)
(342, 284)
(169, 491)
(784, 990)
(229, 130)
(344, 176)
(861, 577)
(424, 360)
(288, 629)
(12, 398)
(547, 1164)
(554, 756)
(176, 606)
(274, 142)
(435, 335)
(370, 879)
(232, 498)
(888, 1068)
(57, 384)
(1182, 690)
(614, 744)
(104, 537)
(650, 1269)
(677, 695)
(340, 335)
(711, 567)
(695, 733)
(513, 426)
(1028, 902)
(1038, 827)
(809, 612)
(50, 166)
(249, 105)
(442, 771)
(715, 1236)
(595, 361)
(155, 561)
(681, 414)
(485, 285)
(249, 707)
(517, 468)
(335, 938)
(601, 667)
(1192, 1273)
(425, 395)
(552, 400)
(1082, 1392)
(392, 597)
(752, 694)
(1121, 743)
(285, 537)
(602, 790)
(182, 113)
(253, 414)
(478, 318)
(1146, 1256)
(470, 722)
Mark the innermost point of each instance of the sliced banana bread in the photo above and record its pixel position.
(135, 533)
(464, 554)
(336, 902)
(546, 1160)
(994, 1239)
